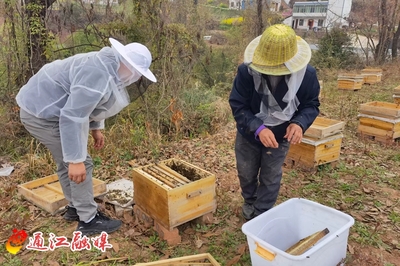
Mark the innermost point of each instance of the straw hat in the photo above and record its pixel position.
(278, 51)
(137, 55)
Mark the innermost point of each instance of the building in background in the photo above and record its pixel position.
(315, 15)
(273, 5)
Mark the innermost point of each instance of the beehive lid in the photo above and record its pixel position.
(316, 142)
(350, 76)
(324, 127)
(372, 71)
(47, 194)
(381, 109)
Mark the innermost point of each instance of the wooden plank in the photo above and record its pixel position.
(40, 182)
(375, 131)
(151, 197)
(191, 260)
(192, 201)
(324, 127)
(47, 193)
(44, 203)
(381, 109)
(377, 123)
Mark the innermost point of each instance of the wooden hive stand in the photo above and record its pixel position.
(347, 81)
(172, 192)
(379, 121)
(372, 75)
(47, 194)
(321, 144)
(204, 259)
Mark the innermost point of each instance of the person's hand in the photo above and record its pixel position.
(294, 133)
(98, 139)
(77, 172)
(267, 138)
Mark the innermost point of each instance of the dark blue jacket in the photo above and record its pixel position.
(245, 103)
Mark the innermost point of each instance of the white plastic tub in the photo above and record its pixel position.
(274, 231)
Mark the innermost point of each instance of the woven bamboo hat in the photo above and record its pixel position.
(278, 51)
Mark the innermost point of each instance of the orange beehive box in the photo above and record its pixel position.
(372, 75)
(173, 191)
(312, 152)
(381, 109)
(350, 81)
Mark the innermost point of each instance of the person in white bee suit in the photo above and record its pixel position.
(64, 101)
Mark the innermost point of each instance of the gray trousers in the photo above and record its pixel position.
(79, 196)
(260, 172)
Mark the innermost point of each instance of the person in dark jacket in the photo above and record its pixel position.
(274, 100)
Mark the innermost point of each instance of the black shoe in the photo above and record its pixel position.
(248, 211)
(71, 214)
(100, 223)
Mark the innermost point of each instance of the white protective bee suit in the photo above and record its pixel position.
(69, 97)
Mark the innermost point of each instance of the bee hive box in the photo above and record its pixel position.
(173, 191)
(381, 109)
(379, 121)
(396, 95)
(312, 152)
(192, 260)
(324, 127)
(372, 75)
(47, 194)
(350, 81)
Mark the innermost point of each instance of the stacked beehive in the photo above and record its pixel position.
(320, 145)
(379, 121)
(372, 75)
(348, 81)
(396, 95)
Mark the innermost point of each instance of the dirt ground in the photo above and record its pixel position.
(134, 242)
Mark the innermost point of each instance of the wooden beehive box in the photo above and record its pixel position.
(312, 152)
(350, 81)
(396, 95)
(192, 260)
(47, 194)
(379, 121)
(372, 75)
(174, 191)
(381, 109)
(324, 127)
(380, 129)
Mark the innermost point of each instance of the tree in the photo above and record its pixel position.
(259, 26)
(38, 36)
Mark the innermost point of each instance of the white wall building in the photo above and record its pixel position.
(274, 5)
(320, 14)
